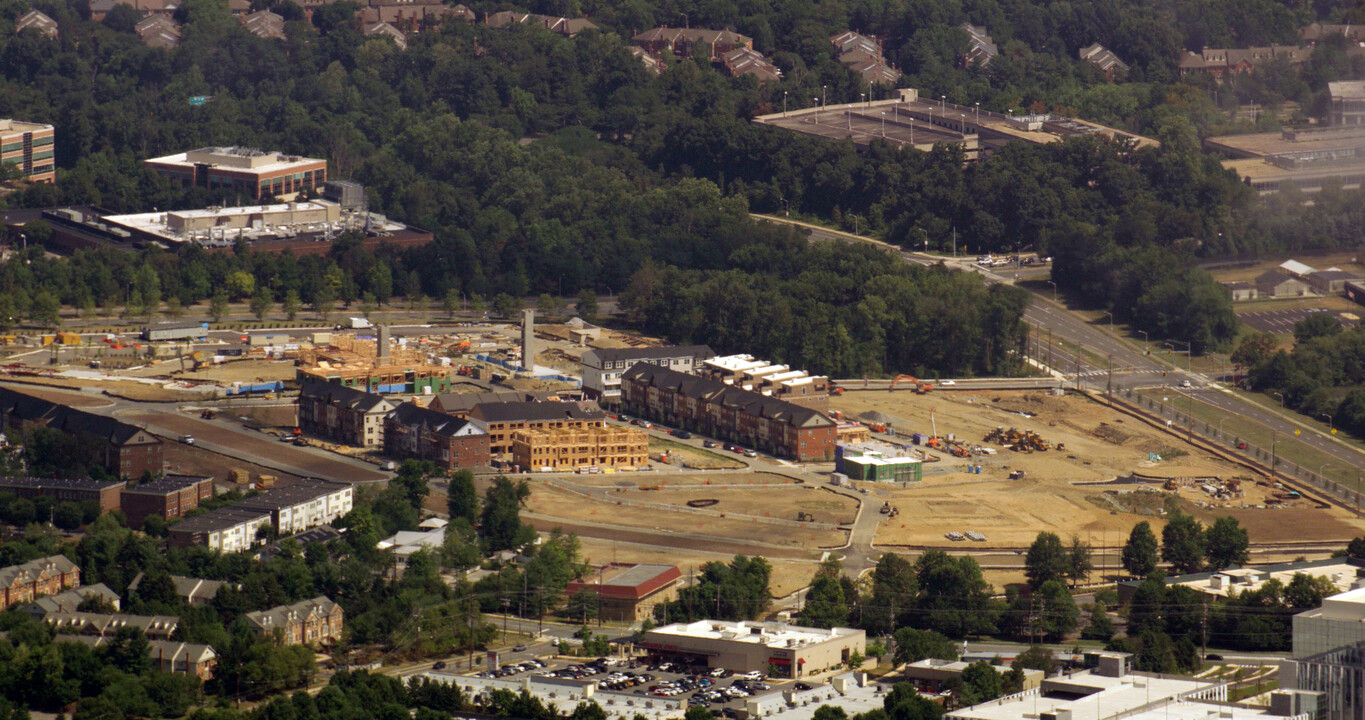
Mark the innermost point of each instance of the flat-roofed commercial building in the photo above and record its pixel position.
(29, 147)
(305, 504)
(1342, 573)
(253, 173)
(1348, 102)
(227, 530)
(1340, 622)
(106, 492)
(602, 368)
(628, 593)
(777, 649)
(566, 450)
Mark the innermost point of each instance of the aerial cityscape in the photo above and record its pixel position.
(678, 360)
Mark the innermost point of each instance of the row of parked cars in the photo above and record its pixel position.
(511, 668)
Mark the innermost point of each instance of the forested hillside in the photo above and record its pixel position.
(551, 164)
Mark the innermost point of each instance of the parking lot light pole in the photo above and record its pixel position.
(1146, 342)
(1111, 320)
(1054, 290)
(1280, 396)
(1330, 426)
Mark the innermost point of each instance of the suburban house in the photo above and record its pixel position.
(452, 442)
(70, 601)
(981, 48)
(311, 622)
(691, 42)
(170, 497)
(195, 591)
(460, 404)
(1104, 59)
(1221, 62)
(568, 27)
(227, 529)
(349, 416)
(37, 22)
(863, 55)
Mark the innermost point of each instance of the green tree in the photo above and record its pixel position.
(46, 309)
(587, 304)
(1046, 560)
(1356, 549)
(979, 683)
(462, 497)
(1254, 350)
(368, 304)
(506, 305)
(218, 306)
(1140, 552)
(583, 606)
(1079, 563)
(914, 645)
(894, 593)
(291, 304)
(548, 304)
(1057, 615)
(241, 284)
(1183, 543)
(324, 302)
(174, 308)
(412, 290)
(826, 605)
(501, 527)
(450, 302)
(905, 703)
(1316, 325)
(1227, 543)
(261, 302)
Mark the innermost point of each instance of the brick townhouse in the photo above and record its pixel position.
(413, 431)
(125, 451)
(339, 413)
(20, 584)
(170, 497)
(726, 412)
(313, 622)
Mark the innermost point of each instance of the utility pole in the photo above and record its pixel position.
(1204, 627)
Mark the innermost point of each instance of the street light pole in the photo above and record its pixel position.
(1330, 426)
(1054, 290)
(1111, 320)
(1146, 342)
(784, 103)
(1280, 396)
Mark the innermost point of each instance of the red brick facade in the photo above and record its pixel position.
(169, 498)
(20, 584)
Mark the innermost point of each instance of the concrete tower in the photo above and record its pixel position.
(528, 339)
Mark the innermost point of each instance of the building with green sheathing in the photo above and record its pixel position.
(875, 465)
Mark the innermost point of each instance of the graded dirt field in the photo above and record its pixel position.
(191, 460)
(820, 504)
(691, 457)
(1069, 491)
(788, 575)
(66, 397)
(633, 480)
(551, 501)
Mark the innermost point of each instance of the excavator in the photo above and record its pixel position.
(920, 387)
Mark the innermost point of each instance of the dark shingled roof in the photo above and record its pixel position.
(412, 415)
(334, 394)
(67, 419)
(537, 411)
(729, 396)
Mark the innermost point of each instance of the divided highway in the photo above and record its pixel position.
(1137, 368)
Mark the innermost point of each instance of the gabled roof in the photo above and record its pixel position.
(71, 599)
(1274, 277)
(464, 402)
(348, 398)
(284, 615)
(33, 569)
(537, 412)
(386, 30)
(413, 415)
(36, 21)
(727, 396)
(172, 651)
(67, 419)
(743, 61)
(1102, 57)
(694, 35)
(108, 624)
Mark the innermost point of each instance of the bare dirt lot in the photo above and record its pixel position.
(631, 480)
(785, 503)
(1058, 492)
(691, 457)
(244, 371)
(559, 503)
(65, 397)
(191, 460)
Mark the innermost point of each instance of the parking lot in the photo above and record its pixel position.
(1282, 321)
(722, 690)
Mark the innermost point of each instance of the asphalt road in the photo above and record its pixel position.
(1140, 369)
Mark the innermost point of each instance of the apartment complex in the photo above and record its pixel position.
(155, 627)
(256, 174)
(461, 404)
(124, 450)
(777, 649)
(747, 62)
(37, 22)
(568, 27)
(227, 530)
(981, 49)
(59, 490)
(195, 591)
(314, 622)
(726, 412)
(20, 584)
(765, 378)
(863, 55)
(1221, 62)
(602, 368)
(170, 497)
(69, 601)
(505, 418)
(305, 504)
(628, 593)
(412, 431)
(375, 364)
(571, 449)
(28, 148)
(346, 415)
(691, 42)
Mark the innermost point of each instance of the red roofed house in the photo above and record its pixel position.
(629, 593)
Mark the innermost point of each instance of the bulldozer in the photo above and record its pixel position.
(921, 387)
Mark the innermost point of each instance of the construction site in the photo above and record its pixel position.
(1008, 464)
(379, 364)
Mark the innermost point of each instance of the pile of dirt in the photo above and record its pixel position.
(1109, 433)
(1031, 404)
(873, 416)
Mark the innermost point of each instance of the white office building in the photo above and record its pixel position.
(1338, 623)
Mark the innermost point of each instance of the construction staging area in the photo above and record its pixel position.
(1079, 468)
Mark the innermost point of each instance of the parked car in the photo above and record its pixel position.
(187, 439)
(441, 665)
(518, 648)
(802, 686)
(681, 434)
(708, 443)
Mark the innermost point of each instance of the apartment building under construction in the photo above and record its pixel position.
(375, 365)
(571, 449)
